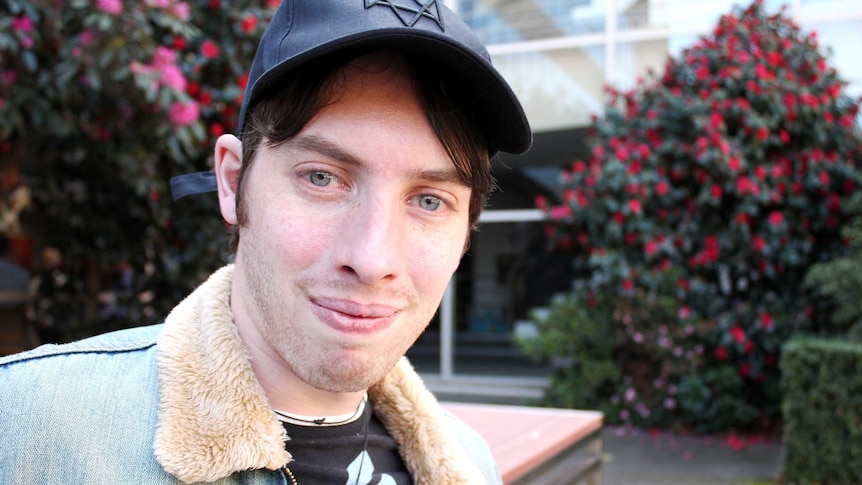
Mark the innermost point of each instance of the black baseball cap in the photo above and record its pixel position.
(304, 31)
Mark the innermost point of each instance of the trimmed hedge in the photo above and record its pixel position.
(822, 406)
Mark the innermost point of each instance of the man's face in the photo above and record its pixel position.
(354, 229)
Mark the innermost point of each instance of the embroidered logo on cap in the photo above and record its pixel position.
(410, 11)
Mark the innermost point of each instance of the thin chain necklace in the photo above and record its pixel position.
(359, 411)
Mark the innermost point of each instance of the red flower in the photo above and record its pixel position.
(734, 164)
(715, 190)
(209, 49)
(249, 23)
(774, 59)
(824, 177)
(179, 43)
(635, 206)
(628, 285)
(206, 98)
(766, 320)
(833, 202)
(759, 243)
(661, 188)
(650, 248)
(737, 333)
(745, 369)
(579, 167)
(720, 353)
(622, 153)
(216, 130)
(743, 185)
(762, 133)
(619, 217)
(242, 81)
(776, 218)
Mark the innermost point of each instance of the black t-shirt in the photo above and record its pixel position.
(335, 455)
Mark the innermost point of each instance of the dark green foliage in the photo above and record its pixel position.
(822, 408)
(589, 372)
(841, 279)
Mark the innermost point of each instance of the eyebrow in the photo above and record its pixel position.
(329, 149)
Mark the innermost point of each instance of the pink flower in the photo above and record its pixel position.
(88, 37)
(635, 206)
(112, 7)
(182, 114)
(22, 24)
(766, 320)
(560, 212)
(172, 77)
(163, 56)
(661, 188)
(181, 10)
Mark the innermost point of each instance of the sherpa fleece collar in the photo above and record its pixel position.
(214, 418)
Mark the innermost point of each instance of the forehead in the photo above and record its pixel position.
(376, 110)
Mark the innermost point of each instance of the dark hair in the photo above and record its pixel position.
(283, 112)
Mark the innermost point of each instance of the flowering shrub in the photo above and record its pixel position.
(101, 102)
(712, 188)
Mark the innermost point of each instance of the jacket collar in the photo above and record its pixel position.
(214, 418)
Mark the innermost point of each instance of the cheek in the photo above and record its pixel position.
(433, 260)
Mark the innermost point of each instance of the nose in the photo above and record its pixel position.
(370, 248)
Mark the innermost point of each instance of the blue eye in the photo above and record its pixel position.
(429, 202)
(319, 178)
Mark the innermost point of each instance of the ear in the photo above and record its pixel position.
(228, 162)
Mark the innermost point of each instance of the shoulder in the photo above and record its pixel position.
(119, 342)
(476, 447)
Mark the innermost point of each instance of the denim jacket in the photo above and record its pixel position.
(178, 403)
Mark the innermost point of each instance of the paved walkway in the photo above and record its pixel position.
(634, 457)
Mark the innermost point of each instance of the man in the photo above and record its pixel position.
(361, 165)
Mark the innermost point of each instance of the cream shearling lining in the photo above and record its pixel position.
(214, 419)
